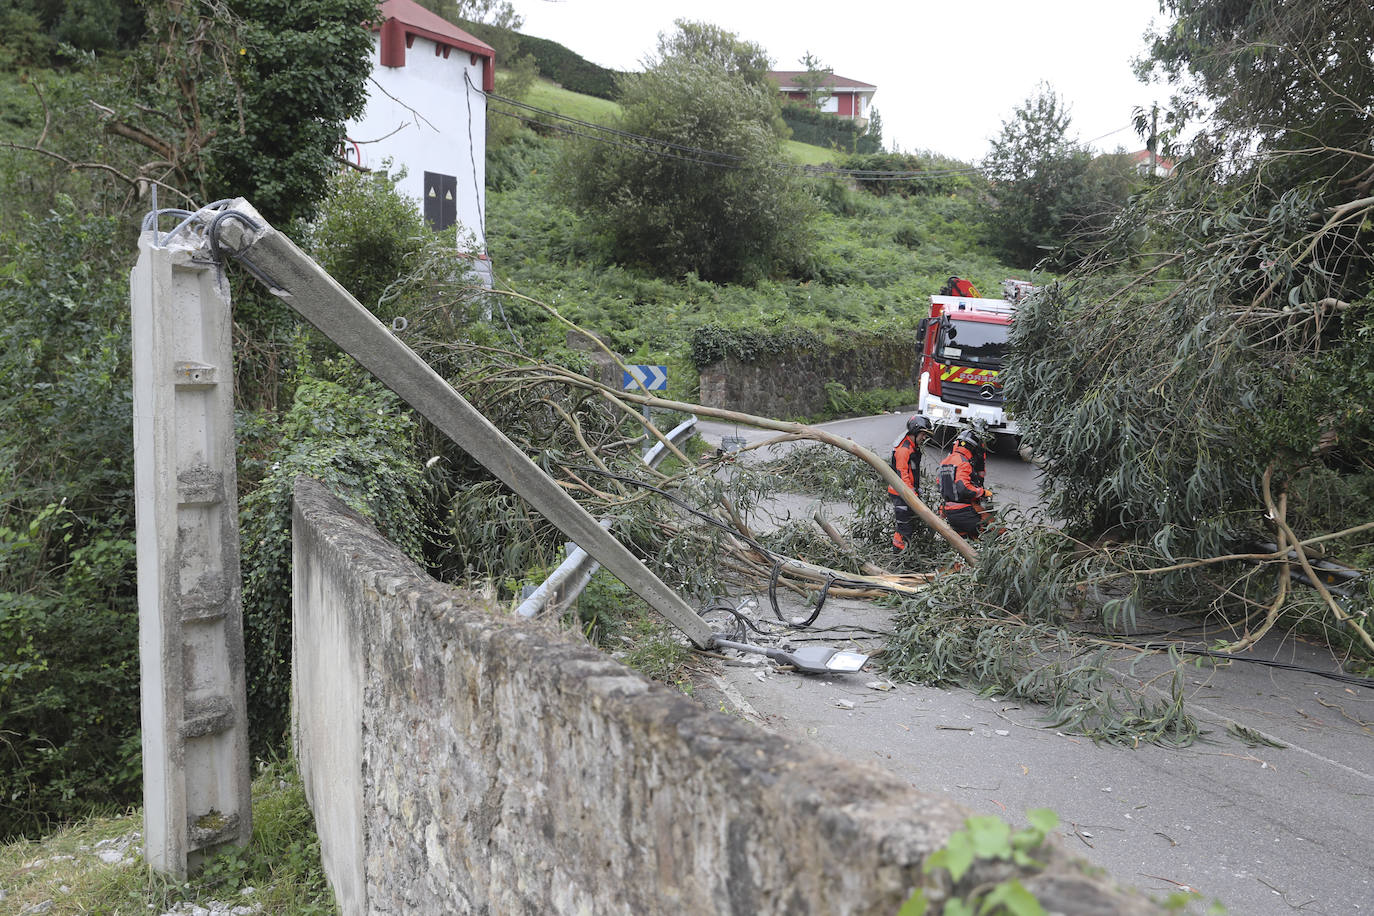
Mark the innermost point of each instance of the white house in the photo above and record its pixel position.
(427, 113)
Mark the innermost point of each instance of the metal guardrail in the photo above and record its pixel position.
(565, 583)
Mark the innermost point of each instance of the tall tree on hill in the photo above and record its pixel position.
(708, 193)
(1279, 74)
(817, 80)
(1051, 197)
(709, 45)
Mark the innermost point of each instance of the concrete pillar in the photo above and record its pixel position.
(196, 779)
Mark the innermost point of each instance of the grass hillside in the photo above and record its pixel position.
(551, 97)
(874, 258)
(545, 94)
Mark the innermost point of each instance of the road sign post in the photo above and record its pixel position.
(650, 378)
(647, 378)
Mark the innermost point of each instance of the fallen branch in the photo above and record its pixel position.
(798, 430)
(74, 165)
(839, 540)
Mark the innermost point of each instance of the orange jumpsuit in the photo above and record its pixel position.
(961, 488)
(906, 461)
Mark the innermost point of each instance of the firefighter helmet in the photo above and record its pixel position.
(916, 423)
(972, 439)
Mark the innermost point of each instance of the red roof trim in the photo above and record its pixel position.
(415, 20)
(1143, 156)
(786, 79)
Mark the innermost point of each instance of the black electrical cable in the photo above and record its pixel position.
(1338, 676)
(212, 230)
(773, 575)
(743, 623)
(820, 602)
(773, 555)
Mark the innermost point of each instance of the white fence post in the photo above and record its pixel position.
(196, 779)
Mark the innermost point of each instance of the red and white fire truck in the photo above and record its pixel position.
(963, 344)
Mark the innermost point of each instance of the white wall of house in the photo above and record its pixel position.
(426, 117)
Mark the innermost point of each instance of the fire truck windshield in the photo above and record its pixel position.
(977, 343)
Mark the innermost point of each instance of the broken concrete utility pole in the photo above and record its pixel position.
(196, 778)
(296, 279)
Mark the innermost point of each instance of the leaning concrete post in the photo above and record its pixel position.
(296, 279)
(196, 792)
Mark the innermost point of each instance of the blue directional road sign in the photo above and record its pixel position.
(654, 378)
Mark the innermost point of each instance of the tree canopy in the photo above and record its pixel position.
(1052, 196)
(710, 193)
(1269, 74)
(713, 47)
(1211, 393)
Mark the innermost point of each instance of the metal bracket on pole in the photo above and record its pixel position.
(296, 279)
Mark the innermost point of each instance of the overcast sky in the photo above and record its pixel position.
(948, 72)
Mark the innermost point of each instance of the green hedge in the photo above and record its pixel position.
(820, 129)
(711, 343)
(571, 70)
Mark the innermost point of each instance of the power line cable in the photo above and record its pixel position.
(1107, 134)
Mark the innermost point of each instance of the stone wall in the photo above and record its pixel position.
(459, 760)
(792, 383)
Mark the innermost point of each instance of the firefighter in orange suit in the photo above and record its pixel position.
(961, 485)
(906, 461)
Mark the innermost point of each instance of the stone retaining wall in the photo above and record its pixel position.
(792, 383)
(459, 760)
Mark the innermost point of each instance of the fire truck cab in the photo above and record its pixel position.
(963, 345)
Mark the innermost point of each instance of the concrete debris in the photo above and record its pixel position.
(119, 850)
(215, 908)
(39, 863)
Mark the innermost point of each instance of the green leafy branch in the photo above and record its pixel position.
(986, 839)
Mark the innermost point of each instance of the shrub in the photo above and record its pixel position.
(731, 214)
(366, 234)
(68, 622)
(353, 436)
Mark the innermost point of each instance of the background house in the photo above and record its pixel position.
(427, 114)
(848, 98)
(1163, 165)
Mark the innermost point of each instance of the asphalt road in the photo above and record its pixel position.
(1262, 829)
